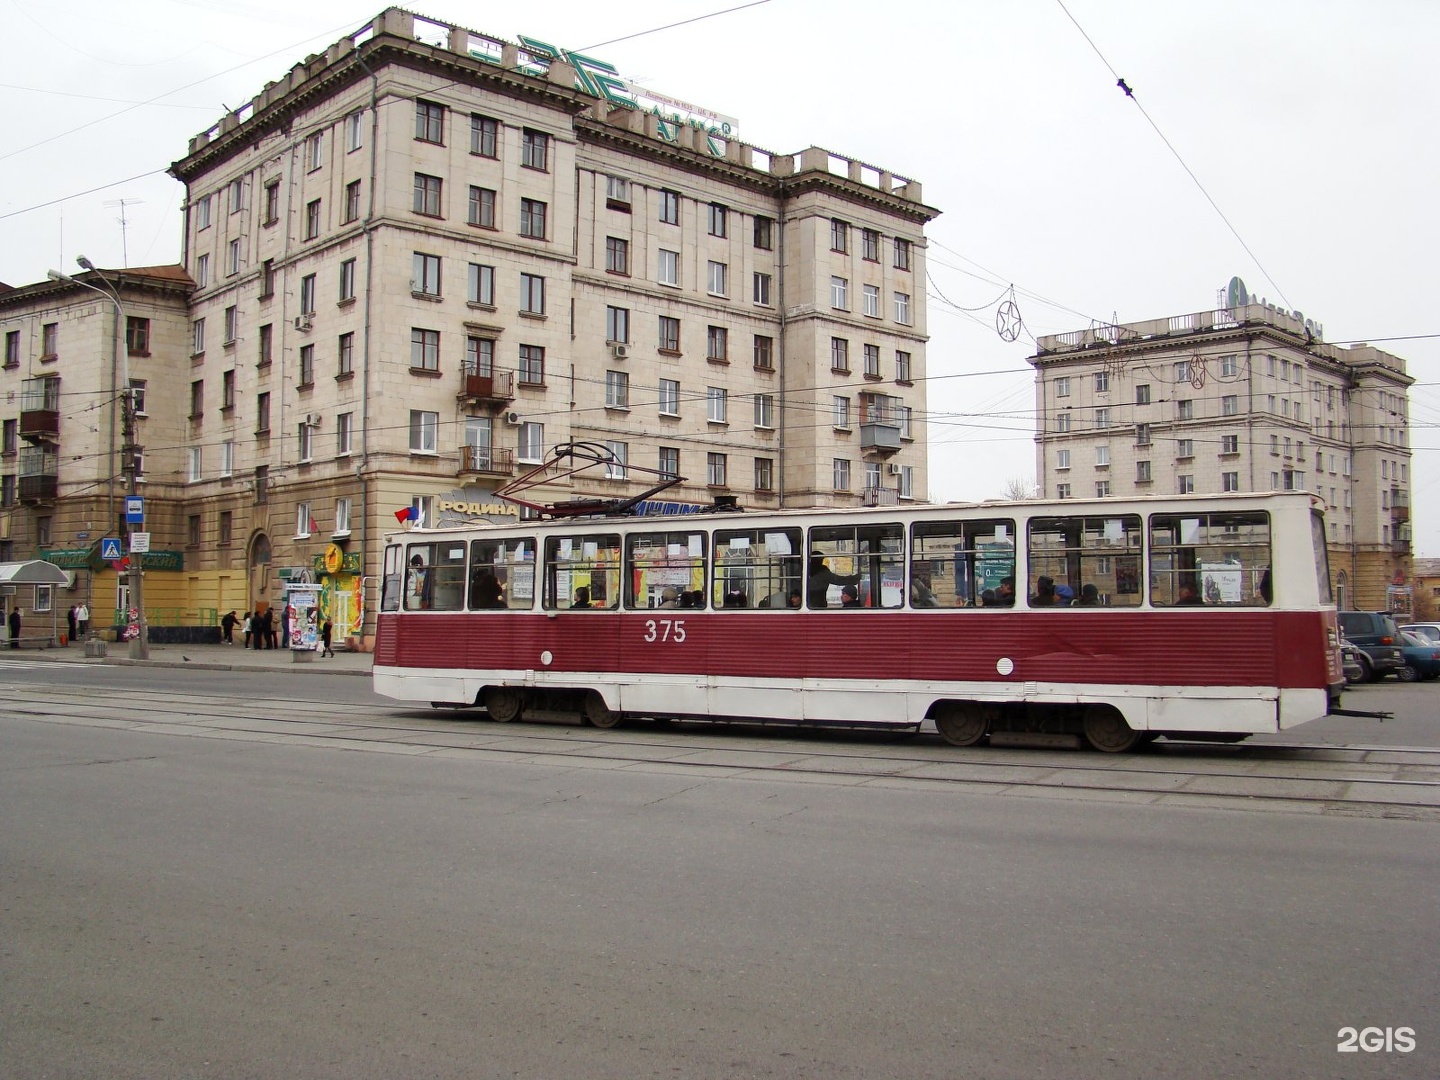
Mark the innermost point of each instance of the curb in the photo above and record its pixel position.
(203, 665)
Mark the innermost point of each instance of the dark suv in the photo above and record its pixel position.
(1379, 640)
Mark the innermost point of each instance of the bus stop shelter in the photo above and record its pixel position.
(32, 573)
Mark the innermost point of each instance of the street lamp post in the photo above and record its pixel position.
(139, 648)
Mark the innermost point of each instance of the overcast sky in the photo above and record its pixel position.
(1309, 123)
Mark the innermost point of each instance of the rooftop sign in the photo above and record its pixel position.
(1236, 296)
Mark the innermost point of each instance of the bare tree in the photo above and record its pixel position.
(1019, 488)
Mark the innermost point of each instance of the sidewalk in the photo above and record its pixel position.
(210, 657)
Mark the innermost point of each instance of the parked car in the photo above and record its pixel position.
(1350, 658)
(1427, 630)
(1378, 639)
(1422, 658)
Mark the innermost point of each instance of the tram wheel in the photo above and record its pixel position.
(504, 704)
(1107, 731)
(596, 713)
(961, 723)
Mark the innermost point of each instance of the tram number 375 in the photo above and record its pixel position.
(665, 630)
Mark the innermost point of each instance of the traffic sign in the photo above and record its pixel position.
(110, 548)
(139, 543)
(134, 509)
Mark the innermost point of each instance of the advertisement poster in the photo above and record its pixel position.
(303, 604)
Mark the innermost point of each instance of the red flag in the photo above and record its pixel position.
(403, 516)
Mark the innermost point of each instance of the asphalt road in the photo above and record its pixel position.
(195, 907)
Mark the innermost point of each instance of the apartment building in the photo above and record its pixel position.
(427, 256)
(1238, 398)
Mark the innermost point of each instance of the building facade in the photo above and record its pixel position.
(1240, 398)
(428, 256)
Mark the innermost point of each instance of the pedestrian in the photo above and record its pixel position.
(285, 613)
(270, 630)
(326, 629)
(248, 626)
(15, 628)
(82, 617)
(227, 628)
(262, 629)
(73, 621)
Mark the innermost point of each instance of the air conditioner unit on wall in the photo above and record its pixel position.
(313, 419)
(620, 352)
(893, 469)
(513, 419)
(303, 324)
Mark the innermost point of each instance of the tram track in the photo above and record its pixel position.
(1386, 782)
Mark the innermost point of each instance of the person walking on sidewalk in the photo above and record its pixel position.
(73, 621)
(326, 629)
(15, 628)
(82, 618)
(227, 628)
(247, 625)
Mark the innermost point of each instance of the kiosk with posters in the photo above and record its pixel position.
(302, 601)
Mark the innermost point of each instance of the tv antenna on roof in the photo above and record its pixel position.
(124, 224)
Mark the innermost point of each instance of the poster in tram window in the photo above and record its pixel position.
(1127, 574)
(1222, 583)
(304, 604)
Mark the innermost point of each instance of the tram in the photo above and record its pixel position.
(1107, 621)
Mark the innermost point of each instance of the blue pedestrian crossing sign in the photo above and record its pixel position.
(110, 549)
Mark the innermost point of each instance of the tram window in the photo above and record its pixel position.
(582, 572)
(871, 558)
(419, 584)
(757, 568)
(394, 577)
(664, 569)
(1219, 559)
(1067, 555)
(957, 564)
(502, 574)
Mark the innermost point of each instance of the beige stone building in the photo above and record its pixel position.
(1241, 398)
(427, 256)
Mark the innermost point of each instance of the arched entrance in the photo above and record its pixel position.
(258, 564)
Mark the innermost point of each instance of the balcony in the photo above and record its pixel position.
(486, 461)
(39, 475)
(494, 388)
(881, 438)
(879, 497)
(1399, 505)
(40, 409)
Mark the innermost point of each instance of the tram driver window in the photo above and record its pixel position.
(394, 578)
(758, 568)
(1215, 560)
(955, 564)
(582, 572)
(665, 569)
(1085, 561)
(870, 559)
(502, 574)
(419, 585)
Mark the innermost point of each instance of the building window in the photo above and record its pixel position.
(262, 413)
(617, 255)
(344, 424)
(425, 274)
(669, 334)
(617, 390)
(902, 366)
(354, 131)
(669, 267)
(347, 281)
(237, 194)
(872, 360)
(312, 219)
(194, 471)
(227, 390)
(1230, 481)
(1184, 448)
(1185, 409)
(840, 293)
(480, 288)
(227, 527)
(424, 349)
(267, 279)
(872, 475)
(1102, 489)
(902, 308)
(535, 150)
(232, 324)
(869, 245)
(1185, 484)
(840, 473)
(1102, 418)
(479, 356)
(1142, 394)
(1062, 491)
(12, 343)
(304, 520)
(227, 458)
(840, 412)
(716, 219)
(202, 212)
(342, 517)
(1102, 457)
(669, 463)
(307, 294)
(427, 195)
(1102, 382)
(262, 484)
(1142, 434)
(761, 289)
(1062, 422)
(764, 410)
(305, 441)
(902, 254)
(715, 470)
(718, 277)
(669, 397)
(197, 338)
(1142, 472)
(1062, 387)
(1062, 459)
(10, 440)
(532, 365)
(839, 236)
(617, 193)
(717, 343)
(670, 207)
(617, 324)
(232, 258)
(429, 122)
(8, 491)
(1229, 366)
(530, 443)
(870, 300)
(716, 400)
(480, 209)
(764, 474)
(424, 431)
(532, 294)
(267, 339)
(1230, 405)
(764, 233)
(619, 459)
(764, 353)
(202, 271)
(484, 136)
(315, 151)
(839, 355)
(346, 357)
(307, 365)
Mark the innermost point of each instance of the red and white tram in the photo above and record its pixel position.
(1114, 620)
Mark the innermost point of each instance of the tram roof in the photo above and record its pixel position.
(1096, 507)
